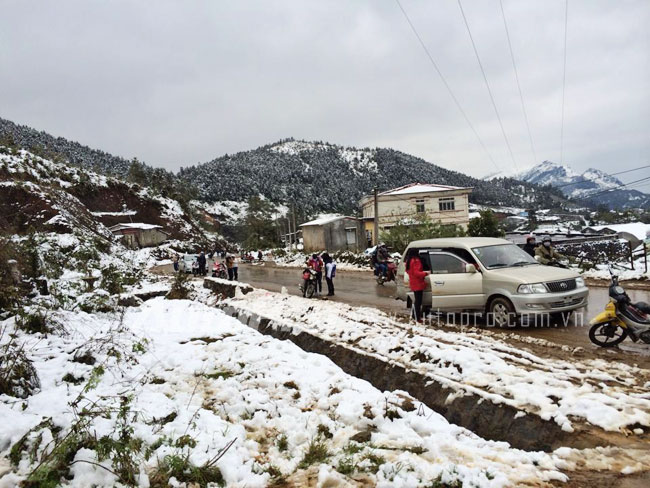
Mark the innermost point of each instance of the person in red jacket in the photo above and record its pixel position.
(417, 282)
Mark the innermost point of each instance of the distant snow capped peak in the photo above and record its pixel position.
(592, 184)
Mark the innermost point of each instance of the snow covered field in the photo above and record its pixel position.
(605, 394)
(191, 381)
(177, 393)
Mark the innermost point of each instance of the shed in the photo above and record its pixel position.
(138, 235)
(334, 233)
(635, 232)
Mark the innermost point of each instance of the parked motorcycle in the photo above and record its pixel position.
(390, 273)
(248, 259)
(219, 271)
(308, 285)
(621, 319)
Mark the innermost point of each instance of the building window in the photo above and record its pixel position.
(446, 204)
(419, 206)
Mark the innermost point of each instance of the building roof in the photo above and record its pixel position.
(421, 188)
(326, 219)
(134, 225)
(638, 229)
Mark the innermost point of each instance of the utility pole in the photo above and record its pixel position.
(295, 232)
(375, 233)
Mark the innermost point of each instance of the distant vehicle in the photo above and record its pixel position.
(494, 276)
(185, 263)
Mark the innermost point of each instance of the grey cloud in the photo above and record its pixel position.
(175, 83)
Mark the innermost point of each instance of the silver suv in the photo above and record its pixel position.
(493, 276)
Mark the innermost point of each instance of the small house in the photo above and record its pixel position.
(138, 235)
(333, 233)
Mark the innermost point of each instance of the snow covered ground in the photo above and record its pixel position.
(605, 394)
(197, 380)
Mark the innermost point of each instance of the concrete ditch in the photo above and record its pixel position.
(490, 420)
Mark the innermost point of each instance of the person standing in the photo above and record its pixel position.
(260, 256)
(175, 262)
(417, 283)
(316, 263)
(330, 273)
(235, 267)
(229, 266)
(201, 261)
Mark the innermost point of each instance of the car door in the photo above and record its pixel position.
(455, 284)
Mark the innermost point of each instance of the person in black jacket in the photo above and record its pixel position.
(202, 262)
(531, 245)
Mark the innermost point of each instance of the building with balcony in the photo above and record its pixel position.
(408, 204)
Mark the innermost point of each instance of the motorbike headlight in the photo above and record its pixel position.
(580, 282)
(528, 289)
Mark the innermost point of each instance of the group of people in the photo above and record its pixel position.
(544, 253)
(230, 261)
(319, 264)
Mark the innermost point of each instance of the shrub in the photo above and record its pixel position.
(18, 377)
(399, 236)
(486, 225)
(316, 453)
(180, 289)
(32, 323)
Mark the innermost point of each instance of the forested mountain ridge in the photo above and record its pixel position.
(315, 176)
(320, 177)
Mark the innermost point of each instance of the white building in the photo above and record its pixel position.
(439, 203)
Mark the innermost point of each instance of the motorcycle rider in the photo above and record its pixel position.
(382, 259)
(531, 245)
(546, 253)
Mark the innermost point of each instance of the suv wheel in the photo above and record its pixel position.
(501, 313)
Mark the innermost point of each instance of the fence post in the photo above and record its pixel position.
(645, 256)
(629, 243)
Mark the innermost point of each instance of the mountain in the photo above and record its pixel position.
(590, 186)
(315, 176)
(324, 177)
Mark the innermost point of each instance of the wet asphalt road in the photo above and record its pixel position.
(359, 288)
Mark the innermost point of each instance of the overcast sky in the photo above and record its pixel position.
(176, 83)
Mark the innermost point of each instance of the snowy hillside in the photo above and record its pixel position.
(44, 195)
(582, 186)
(322, 177)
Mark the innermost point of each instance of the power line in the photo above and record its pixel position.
(444, 81)
(496, 111)
(606, 174)
(521, 96)
(566, 16)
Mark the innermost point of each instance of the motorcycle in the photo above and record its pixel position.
(391, 272)
(219, 271)
(621, 319)
(308, 285)
(248, 259)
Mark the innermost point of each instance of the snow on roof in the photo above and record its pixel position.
(326, 219)
(421, 188)
(134, 225)
(638, 229)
